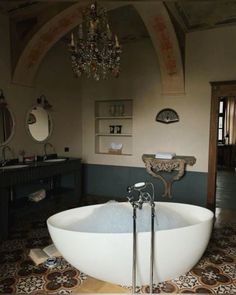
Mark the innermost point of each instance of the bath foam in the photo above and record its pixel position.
(114, 217)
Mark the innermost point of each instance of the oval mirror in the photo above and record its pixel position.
(39, 123)
(7, 125)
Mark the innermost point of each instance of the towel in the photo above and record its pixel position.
(116, 146)
(165, 155)
(37, 196)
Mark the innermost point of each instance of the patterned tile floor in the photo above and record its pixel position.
(215, 272)
(225, 189)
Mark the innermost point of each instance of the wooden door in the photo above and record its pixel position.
(218, 89)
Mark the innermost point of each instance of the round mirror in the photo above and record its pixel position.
(39, 123)
(6, 125)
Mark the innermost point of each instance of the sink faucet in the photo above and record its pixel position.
(4, 149)
(45, 149)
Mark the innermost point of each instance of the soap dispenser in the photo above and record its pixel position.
(21, 156)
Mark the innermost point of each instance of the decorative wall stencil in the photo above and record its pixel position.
(166, 45)
(50, 32)
(167, 116)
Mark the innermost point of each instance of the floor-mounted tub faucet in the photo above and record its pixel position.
(143, 197)
(47, 144)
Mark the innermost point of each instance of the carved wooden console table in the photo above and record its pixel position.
(154, 166)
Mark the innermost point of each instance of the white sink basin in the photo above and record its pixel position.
(13, 167)
(55, 160)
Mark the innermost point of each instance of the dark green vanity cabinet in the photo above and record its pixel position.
(10, 178)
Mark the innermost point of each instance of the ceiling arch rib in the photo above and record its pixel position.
(165, 41)
(37, 47)
(158, 25)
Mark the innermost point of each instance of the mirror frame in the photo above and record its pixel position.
(27, 125)
(13, 128)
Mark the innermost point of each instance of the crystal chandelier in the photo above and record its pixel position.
(94, 50)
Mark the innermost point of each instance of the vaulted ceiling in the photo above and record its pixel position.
(191, 15)
(201, 15)
(28, 18)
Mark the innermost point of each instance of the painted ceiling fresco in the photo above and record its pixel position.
(191, 15)
(200, 15)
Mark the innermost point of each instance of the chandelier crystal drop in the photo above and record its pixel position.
(94, 50)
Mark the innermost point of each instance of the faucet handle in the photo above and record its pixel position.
(146, 196)
(129, 189)
(130, 199)
(3, 163)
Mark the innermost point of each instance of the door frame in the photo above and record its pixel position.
(218, 89)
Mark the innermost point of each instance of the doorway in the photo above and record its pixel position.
(222, 152)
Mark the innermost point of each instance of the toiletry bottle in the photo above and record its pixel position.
(21, 156)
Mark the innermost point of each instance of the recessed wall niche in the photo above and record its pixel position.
(113, 127)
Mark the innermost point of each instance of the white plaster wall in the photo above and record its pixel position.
(140, 81)
(54, 80)
(210, 56)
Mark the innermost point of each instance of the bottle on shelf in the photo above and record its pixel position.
(121, 109)
(118, 129)
(112, 128)
(112, 110)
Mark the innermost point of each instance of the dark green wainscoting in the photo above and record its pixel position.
(112, 182)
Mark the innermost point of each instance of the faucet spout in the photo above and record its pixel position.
(48, 144)
(4, 159)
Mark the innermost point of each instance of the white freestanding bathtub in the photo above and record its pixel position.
(97, 243)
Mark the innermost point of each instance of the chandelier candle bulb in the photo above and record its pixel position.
(72, 43)
(80, 32)
(108, 32)
(117, 41)
(91, 27)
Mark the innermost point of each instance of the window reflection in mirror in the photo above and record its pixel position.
(39, 123)
(6, 125)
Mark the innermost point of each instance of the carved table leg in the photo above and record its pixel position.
(168, 190)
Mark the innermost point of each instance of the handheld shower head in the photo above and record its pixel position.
(140, 185)
(137, 186)
(145, 191)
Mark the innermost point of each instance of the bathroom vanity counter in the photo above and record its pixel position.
(37, 170)
(31, 172)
